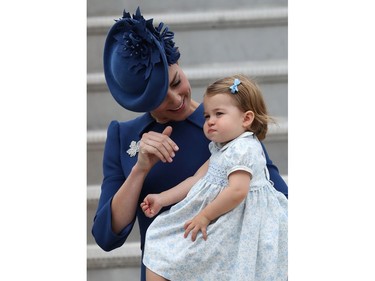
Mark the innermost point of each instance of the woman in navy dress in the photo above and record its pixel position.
(158, 149)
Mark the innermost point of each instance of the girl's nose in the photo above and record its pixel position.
(210, 121)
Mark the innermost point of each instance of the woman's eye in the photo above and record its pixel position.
(175, 84)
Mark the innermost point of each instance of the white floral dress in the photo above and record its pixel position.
(248, 243)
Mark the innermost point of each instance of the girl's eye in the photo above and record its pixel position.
(219, 113)
(206, 117)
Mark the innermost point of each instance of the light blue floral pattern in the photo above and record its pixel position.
(248, 243)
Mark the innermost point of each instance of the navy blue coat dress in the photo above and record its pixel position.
(117, 164)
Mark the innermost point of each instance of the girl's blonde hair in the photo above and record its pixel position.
(248, 97)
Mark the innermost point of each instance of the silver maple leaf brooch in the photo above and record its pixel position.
(133, 148)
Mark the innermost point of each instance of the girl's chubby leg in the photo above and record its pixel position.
(152, 276)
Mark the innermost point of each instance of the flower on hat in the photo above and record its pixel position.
(137, 38)
(166, 38)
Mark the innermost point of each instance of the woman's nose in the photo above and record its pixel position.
(173, 97)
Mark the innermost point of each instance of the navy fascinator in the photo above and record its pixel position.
(136, 59)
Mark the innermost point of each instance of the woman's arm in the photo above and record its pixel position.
(153, 203)
(227, 200)
(124, 202)
(115, 215)
(153, 147)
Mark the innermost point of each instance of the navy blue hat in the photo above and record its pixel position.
(136, 59)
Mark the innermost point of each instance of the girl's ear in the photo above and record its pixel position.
(248, 118)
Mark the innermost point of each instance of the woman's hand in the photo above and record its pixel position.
(151, 205)
(198, 223)
(154, 147)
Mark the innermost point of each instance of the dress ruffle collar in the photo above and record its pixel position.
(221, 147)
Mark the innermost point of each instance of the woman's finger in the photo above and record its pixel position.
(158, 144)
(157, 148)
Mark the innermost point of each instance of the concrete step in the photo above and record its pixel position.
(276, 144)
(272, 77)
(120, 264)
(232, 35)
(126, 256)
(114, 7)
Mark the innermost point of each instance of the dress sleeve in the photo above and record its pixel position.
(240, 156)
(275, 177)
(113, 179)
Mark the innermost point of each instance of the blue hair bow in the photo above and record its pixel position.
(234, 88)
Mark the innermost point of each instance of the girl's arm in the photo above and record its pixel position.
(227, 200)
(153, 203)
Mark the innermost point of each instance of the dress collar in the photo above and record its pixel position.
(222, 147)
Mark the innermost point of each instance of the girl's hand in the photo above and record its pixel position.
(198, 223)
(154, 147)
(151, 205)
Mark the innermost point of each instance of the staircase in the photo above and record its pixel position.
(216, 38)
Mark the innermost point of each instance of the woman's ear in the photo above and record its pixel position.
(248, 118)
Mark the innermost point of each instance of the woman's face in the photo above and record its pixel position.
(177, 105)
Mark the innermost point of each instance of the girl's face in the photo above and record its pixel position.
(224, 121)
(177, 105)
